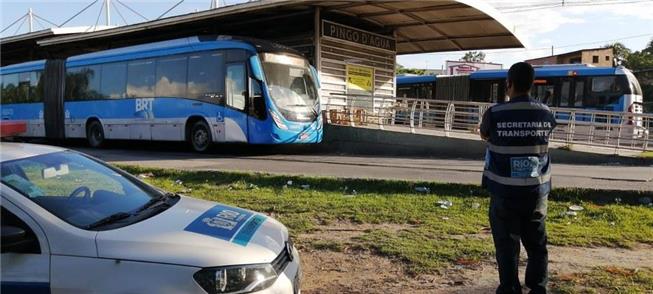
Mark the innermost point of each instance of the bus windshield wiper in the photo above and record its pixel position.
(109, 219)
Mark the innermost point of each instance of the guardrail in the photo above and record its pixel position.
(575, 126)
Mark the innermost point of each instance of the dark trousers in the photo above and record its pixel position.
(514, 219)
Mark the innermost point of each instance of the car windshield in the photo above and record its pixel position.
(77, 189)
(292, 86)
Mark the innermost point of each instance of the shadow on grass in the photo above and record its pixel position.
(376, 186)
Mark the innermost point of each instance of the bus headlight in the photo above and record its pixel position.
(236, 279)
(278, 121)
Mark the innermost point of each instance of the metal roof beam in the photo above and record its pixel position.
(425, 22)
(445, 38)
(418, 9)
(441, 21)
(349, 5)
(414, 44)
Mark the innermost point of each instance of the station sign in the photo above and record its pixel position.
(350, 34)
(360, 79)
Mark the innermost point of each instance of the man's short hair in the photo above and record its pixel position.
(521, 76)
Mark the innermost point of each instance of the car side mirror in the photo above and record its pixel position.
(12, 237)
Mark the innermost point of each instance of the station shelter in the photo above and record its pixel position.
(352, 44)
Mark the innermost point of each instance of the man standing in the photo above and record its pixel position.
(518, 176)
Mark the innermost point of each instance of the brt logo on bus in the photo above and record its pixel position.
(145, 106)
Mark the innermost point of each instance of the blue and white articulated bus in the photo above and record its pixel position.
(203, 89)
(565, 86)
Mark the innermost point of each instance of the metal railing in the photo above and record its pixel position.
(575, 126)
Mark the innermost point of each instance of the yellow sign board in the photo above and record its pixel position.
(360, 78)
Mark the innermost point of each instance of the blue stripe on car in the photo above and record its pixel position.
(245, 234)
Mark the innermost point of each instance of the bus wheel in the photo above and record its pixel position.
(95, 134)
(200, 136)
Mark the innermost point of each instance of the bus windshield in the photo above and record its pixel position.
(292, 86)
(634, 84)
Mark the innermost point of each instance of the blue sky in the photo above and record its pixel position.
(564, 27)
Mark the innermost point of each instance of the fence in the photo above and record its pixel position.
(575, 126)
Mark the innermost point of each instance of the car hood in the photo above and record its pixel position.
(197, 233)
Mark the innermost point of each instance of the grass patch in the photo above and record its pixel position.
(606, 280)
(426, 249)
(328, 245)
(438, 236)
(646, 154)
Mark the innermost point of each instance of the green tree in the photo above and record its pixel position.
(641, 63)
(401, 70)
(473, 56)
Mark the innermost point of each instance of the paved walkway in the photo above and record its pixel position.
(441, 170)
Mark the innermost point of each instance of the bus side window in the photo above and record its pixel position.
(543, 91)
(564, 93)
(171, 74)
(206, 76)
(23, 87)
(83, 83)
(235, 84)
(579, 92)
(140, 78)
(494, 92)
(9, 89)
(114, 80)
(36, 86)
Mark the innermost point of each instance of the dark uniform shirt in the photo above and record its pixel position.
(517, 160)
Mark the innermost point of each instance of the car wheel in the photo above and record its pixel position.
(200, 136)
(95, 134)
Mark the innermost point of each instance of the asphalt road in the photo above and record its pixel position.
(303, 162)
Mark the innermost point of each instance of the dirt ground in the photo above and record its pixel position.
(356, 271)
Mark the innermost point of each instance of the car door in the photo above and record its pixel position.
(25, 260)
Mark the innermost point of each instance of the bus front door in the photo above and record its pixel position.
(235, 112)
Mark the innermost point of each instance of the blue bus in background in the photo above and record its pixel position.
(565, 86)
(422, 87)
(202, 89)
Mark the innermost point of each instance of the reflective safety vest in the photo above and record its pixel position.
(517, 159)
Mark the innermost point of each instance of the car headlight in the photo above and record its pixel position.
(236, 279)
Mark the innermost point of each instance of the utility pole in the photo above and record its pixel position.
(30, 15)
(107, 6)
(551, 50)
